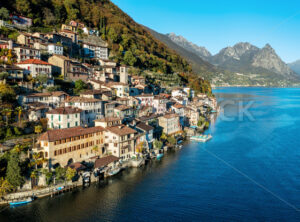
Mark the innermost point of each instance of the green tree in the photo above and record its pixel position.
(157, 144)
(3, 75)
(9, 133)
(42, 78)
(80, 86)
(70, 173)
(48, 174)
(38, 129)
(129, 59)
(163, 136)
(5, 187)
(13, 172)
(7, 94)
(60, 173)
(4, 13)
(171, 140)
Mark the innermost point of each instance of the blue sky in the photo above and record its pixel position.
(216, 24)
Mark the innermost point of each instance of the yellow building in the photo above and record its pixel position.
(66, 146)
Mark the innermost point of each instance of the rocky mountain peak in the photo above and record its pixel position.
(202, 52)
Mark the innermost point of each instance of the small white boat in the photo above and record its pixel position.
(114, 171)
(201, 138)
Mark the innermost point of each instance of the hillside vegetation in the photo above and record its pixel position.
(129, 42)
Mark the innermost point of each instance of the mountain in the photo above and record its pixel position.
(200, 51)
(246, 58)
(200, 66)
(295, 66)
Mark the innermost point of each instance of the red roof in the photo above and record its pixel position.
(34, 61)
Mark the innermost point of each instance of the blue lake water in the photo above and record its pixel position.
(249, 171)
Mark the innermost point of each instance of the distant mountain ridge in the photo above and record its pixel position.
(243, 64)
(295, 66)
(200, 51)
(247, 58)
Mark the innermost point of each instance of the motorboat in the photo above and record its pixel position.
(201, 138)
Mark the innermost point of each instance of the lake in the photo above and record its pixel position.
(249, 171)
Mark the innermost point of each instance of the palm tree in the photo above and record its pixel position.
(7, 113)
(19, 111)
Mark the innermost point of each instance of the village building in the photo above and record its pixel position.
(93, 108)
(25, 53)
(64, 117)
(147, 132)
(66, 146)
(120, 89)
(69, 34)
(123, 111)
(51, 99)
(145, 99)
(15, 72)
(103, 94)
(96, 51)
(121, 141)
(138, 80)
(55, 49)
(108, 162)
(170, 123)
(108, 122)
(34, 67)
(160, 104)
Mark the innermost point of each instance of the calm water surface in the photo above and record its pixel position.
(249, 171)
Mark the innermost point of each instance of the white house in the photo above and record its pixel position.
(145, 99)
(95, 51)
(121, 141)
(34, 67)
(55, 49)
(120, 89)
(64, 117)
(93, 108)
(52, 99)
(24, 53)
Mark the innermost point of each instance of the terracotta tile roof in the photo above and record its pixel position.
(34, 61)
(178, 106)
(64, 110)
(105, 161)
(94, 92)
(111, 84)
(122, 107)
(144, 95)
(67, 31)
(144, 126)
(82, 99)
(170, 115)
(108, 119)
(56, 94)
(58, 134)
(121, 130)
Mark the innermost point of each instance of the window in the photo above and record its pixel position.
(55, 153)
(115, 144)
(59, 117)
(68, 125)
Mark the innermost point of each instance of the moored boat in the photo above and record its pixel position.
(21, 202)
(159, 155)
(114, 171)
(201, 138)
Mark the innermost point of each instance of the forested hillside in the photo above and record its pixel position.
(130, 43)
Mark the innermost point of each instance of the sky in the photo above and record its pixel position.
(216, 24)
